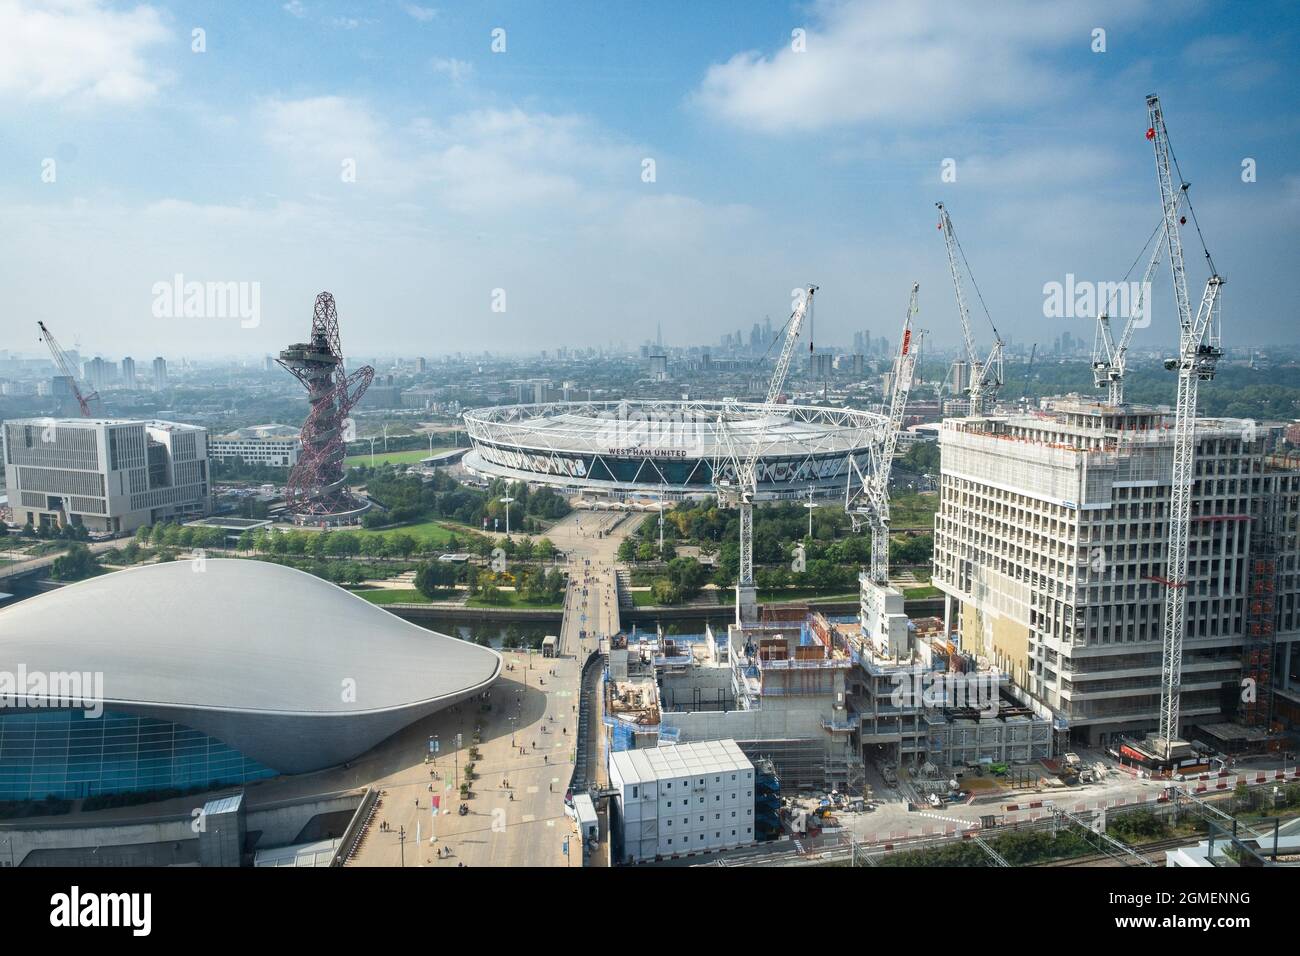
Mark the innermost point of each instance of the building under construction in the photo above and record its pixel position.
(317, 491)
(1050, 544)
(815, 698)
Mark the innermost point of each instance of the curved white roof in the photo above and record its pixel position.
(239, 635)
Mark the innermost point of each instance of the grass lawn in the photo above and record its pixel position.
(396, 596)
(925, 591)
(511, 599)
(433, 532)
(913, 511)
(391, 457)
(642, 598)
(767, 596)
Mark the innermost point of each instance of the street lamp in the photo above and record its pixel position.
(506, 501)
(810, 506)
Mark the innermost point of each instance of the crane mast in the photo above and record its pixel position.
(745, 465)
(986, 376)
(868, 494)
(1198, 355)
(64, 365)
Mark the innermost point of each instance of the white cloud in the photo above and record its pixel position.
(78, 50)
(1038, 166)
(903, 62)
(423, 14)
(296, 8)
(455, 70)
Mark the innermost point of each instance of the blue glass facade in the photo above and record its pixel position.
(66, 754)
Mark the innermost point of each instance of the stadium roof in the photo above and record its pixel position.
(239, 635)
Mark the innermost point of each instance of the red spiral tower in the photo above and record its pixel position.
(317, 488)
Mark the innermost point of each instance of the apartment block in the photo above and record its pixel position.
(1050, 546)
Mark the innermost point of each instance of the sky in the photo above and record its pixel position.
(513, 176)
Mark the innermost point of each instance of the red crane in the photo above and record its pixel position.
(66, 369)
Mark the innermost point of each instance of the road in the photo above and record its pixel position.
(516, 814)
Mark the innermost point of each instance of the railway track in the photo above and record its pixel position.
(1151, 851)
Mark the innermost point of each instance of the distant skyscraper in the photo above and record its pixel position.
(128, 372)
(99, 373)
(159, 373)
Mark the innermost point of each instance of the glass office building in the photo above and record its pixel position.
(65, 753)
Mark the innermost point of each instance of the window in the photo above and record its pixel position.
(635, 793)
(670, 803)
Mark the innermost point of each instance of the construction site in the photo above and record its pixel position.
(1115, 576)
(1131, 568)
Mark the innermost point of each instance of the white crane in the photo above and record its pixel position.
(867, 493)
(744, 464)
(986, 376)
(1198, 355)
(1109, 358)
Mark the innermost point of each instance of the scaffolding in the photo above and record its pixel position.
(1258, 649)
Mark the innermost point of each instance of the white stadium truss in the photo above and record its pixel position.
(673, 447)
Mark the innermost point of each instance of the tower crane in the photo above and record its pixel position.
(64, 365)
(986, 376)
(1029, 375)
(868, 493)
(1198, 356)
(744, 463)
(1108, 356)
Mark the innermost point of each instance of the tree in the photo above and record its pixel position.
(402, 544)
(435, 577)
(76, 564)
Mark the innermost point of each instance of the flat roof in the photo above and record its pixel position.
(680, 760)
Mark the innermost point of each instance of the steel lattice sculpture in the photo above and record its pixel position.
(317, 485)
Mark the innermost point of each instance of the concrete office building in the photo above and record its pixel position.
(275, 451)
(108, 475)
(128, 373)
(1049, 548)
(159, 373)
(680, 800)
